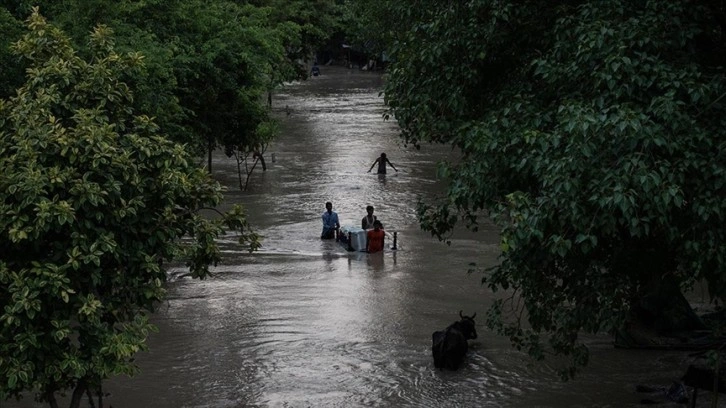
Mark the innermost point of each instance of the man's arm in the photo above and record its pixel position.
(373, 165)
(389, 162)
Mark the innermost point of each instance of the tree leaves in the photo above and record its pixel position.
(203, 68)
(93, 202)
(592, 133)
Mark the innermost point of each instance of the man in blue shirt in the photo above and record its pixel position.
(330, 222)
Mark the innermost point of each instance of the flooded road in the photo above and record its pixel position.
(303, 323)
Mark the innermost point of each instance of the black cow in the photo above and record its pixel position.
(450, 346)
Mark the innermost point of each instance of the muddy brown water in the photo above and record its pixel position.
(303, 323)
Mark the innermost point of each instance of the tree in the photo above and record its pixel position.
(368, 27)
(154, 83)
(592, 133)
(312, 21)
(207, 65)
(252, 152)
(94, 202)
(228, 55)
(221, 71)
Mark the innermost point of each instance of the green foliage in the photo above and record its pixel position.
(11, 71)
(592, 132)
(94, 201)
(312, 21)
(371, 25)
(208, 65)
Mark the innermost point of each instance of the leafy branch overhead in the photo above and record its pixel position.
(208, 66)
(592, 132)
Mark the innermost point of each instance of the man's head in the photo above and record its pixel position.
(369, 209)
(329, 206)
(377, 224)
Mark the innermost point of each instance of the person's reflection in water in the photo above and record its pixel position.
(355, 257)
(375, 261)
(329, 257)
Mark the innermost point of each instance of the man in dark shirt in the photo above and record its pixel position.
(382, 164)
(368, 220)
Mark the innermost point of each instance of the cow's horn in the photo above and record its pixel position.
(473, 316)
(460, 315)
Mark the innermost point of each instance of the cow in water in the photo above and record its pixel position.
(450, 345)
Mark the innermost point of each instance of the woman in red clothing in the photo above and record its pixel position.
(376, 238)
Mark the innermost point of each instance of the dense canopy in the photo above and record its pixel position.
(96, 194)
(593, 132)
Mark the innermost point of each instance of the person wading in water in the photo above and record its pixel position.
(368, 220)
(376, 238)
(330, 222)
(382, 164)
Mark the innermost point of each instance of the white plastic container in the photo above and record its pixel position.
(356, 235)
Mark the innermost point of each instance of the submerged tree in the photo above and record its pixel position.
(252, 154)
(594, 133)
(93, 203)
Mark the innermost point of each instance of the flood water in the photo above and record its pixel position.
(303, 323)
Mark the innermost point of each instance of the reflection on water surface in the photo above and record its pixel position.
(303, 323)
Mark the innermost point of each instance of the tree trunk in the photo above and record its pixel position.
(258, 155)
(90, 398)
(78, 393)
(666, 309)
(50, 396)
(210, 147)
(663, 318)
(249, 173)
(238, 157)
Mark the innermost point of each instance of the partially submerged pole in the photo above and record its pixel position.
(395, 240)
